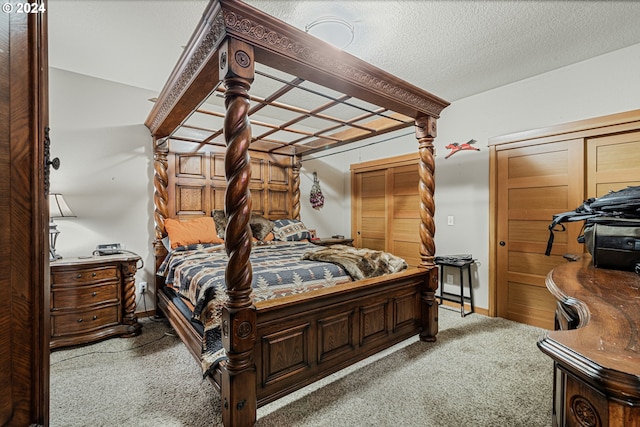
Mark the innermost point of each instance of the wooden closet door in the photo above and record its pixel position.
(404, 223)
(370, 219)
(613, 163)
(385, 203)
(533, 184)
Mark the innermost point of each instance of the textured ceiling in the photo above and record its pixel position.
(451, 48)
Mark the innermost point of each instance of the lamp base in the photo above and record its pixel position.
(53, 255)
(53, 237)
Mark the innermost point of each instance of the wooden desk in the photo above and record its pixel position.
(596, 351)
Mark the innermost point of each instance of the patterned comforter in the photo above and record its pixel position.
(196, 272)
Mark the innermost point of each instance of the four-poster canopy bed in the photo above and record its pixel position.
(286, 95)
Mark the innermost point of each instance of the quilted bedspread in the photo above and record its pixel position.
(197, 273)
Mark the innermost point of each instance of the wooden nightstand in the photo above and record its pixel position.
(93, 298)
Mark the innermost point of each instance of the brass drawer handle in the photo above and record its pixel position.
(80, 320)
(79, 276)
(94, 274)
(95, 317)
(94, 294)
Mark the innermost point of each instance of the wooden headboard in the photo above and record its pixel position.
(196, 183)
(191, 183)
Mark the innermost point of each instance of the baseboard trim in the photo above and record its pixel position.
(143, 314)
(467, 307)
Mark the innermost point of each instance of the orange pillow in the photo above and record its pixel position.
(199, 230)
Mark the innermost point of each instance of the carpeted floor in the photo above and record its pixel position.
(481, 372)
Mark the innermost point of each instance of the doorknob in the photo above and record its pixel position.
(502, 243)
(55, 163)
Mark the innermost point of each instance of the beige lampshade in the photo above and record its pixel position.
(58, 208)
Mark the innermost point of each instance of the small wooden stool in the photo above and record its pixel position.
(461, 262)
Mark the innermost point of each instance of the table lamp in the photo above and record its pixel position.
(58, 208)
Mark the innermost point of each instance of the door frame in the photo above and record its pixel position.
(588, 128)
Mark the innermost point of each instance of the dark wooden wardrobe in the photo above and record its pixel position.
(24, 264)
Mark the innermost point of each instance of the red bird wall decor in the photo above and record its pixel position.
(455, 147)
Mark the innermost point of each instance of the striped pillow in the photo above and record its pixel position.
(290, 230)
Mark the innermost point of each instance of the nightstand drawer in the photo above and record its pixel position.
(82, 296)
(84, 321)
(88, 275)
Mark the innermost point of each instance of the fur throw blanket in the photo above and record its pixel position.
(359, 263)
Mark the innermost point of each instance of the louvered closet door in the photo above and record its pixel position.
(371, 210)
(613, 162)
(534, 183)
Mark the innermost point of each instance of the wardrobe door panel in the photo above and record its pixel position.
(6, 385)
(24, 310)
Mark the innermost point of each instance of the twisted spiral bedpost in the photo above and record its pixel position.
(426, 169)
(160, 202)
(160, 182)
(237, 204)
(239, 394)
(425, 133)
(295, 202)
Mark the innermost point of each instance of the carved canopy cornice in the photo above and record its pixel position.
(203, 49)
(198, 58)
(282, 47)
(256, 28)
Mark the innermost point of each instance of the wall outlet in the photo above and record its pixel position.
(143, 287)
(450, 220)
(449, 278)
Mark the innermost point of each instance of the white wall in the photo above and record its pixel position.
(106, 168)
(604, 85)
(107, 161)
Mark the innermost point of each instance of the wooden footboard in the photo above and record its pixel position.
(307, 337)
(303, 338)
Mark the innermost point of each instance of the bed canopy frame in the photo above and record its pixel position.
(314, 97)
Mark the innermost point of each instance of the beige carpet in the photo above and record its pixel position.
(481, 372)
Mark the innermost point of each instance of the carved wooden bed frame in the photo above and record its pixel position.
(275, 347)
